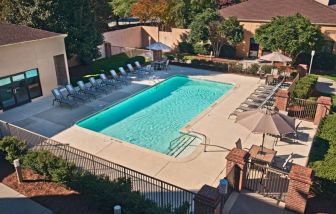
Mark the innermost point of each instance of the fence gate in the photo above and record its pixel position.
(267, 181)
(301, 108)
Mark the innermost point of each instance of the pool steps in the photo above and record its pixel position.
(178, 145)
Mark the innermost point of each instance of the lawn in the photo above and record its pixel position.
(83, 72)
(328, 75)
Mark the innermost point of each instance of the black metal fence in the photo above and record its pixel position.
(267, 181)
(162, 193)
(301, 108)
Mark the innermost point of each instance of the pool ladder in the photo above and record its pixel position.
(177, 145)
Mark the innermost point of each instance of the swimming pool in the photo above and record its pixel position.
(153, 117)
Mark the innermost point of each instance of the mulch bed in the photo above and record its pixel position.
(56, 197)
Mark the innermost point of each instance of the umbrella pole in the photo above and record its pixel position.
(262, 144)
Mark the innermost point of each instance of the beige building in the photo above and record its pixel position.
(254, 13)
(32, 62)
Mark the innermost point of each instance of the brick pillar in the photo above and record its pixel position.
(207, 200)
(302, 69)
(323, 108)
(300, 181)
(108, 51)
(281, 99)
(238, 157)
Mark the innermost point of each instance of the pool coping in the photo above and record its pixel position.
(186, 129)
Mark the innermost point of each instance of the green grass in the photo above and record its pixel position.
(331, 76)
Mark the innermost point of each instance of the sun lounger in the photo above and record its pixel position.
(98, 86)
(58, 97)
(109, 82)
(75, 94)
(139, 73)
(86, 90)
(121, 79)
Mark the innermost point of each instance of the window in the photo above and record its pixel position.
(33, 83)
(328, 46)
(19, 89)
(254, 48)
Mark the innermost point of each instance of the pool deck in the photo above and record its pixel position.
(190, 172)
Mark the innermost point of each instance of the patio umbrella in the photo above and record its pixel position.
(276, 57)
(159, 46)
(266, 121)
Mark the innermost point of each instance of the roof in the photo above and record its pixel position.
(12, 34)
(264, 10)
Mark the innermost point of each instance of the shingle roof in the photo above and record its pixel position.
(264, 10)
(11, 34)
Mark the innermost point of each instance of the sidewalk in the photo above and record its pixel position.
(12, 202)
(325, 85)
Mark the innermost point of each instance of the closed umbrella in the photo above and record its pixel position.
(276, 57)
(266, 121)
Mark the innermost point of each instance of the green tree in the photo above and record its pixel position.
(292, 35)
(103, 12)
(211, 27)
(122, 8)
(181, 13)
(76, 18)
(199, 6)
(16, 11)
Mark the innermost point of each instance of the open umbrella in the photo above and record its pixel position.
(159, 46)
(266, 121)
(276, 57)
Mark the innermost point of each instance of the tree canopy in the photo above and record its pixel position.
(122, 8)
(210, 26)
(292, 35)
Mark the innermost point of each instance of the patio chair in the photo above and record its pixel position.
(121, 79)
(75, 94)
(98, 86)
(86, 90)
(167, 66)
(137, 65)
(139, 73)
(239, 144)
(288, 162)
(58, 97)
(293, 135)
(109, 82)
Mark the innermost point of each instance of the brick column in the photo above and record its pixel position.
(207, 200)
(238, 157)
(281, 99)
(302, 69)
(323, 108)
(301, 178)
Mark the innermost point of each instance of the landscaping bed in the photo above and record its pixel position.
(55, 197)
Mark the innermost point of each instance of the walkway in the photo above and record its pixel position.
(326, 85)
(12, 202)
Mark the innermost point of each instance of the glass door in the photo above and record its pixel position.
(20, 90)
(6, 93)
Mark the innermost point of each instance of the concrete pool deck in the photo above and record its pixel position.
(189, 172)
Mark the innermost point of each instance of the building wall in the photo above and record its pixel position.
(140, 36)
(35, 54)
(249, 32)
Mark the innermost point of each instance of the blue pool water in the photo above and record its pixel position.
(153, 117)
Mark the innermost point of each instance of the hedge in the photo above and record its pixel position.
(322, 157)
(305, 86)
(106, 64)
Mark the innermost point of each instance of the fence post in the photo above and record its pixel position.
(238, 157)
(93, 164)
(301, 179)
(207, 200)
(281, 99)
(18, 170)
(323, 108)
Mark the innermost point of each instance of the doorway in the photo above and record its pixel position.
(61, 71)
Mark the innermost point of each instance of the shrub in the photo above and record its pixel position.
(201, 49)
(185, 47)
(228, 51)
(12, 147)
(170, 56)
(304, 86)
(50, 166)
(267, 69)
(254, 68)
(322, 157)
(187, 58)
(236, 68)
(293, 74)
